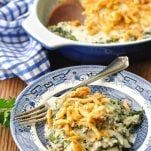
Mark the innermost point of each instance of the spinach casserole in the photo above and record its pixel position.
(82, 121)
(109, 21)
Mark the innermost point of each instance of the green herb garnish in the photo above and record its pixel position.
(63, 33)
(5, 109)
(113, 39)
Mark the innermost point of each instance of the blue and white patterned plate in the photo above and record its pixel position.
(123, 85)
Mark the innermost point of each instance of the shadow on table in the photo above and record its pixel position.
(58, 61)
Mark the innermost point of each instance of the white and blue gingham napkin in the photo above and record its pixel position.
(20, 55)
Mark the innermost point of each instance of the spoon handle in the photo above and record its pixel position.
(117, 65)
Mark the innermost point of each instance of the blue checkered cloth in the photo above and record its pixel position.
(20, 55)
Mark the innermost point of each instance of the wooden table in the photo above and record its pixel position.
(12, 87)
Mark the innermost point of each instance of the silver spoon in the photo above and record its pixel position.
(67, 10)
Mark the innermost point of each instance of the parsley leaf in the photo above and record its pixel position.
(5, 109)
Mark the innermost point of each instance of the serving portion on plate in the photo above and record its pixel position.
(85, 121)
(126, 95)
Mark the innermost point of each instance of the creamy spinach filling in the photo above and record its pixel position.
(63, 33)
(79, 33)
(120, 125)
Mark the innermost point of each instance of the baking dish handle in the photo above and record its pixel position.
(36, 29)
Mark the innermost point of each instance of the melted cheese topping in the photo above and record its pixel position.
(81, 120)
(134, 16)
(79, 109)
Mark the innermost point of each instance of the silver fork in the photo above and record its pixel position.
(38, 114)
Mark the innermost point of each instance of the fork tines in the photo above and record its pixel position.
(37, 114)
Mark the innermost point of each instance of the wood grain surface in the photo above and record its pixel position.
(12, 87)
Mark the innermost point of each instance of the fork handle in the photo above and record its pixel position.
(115, 66)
